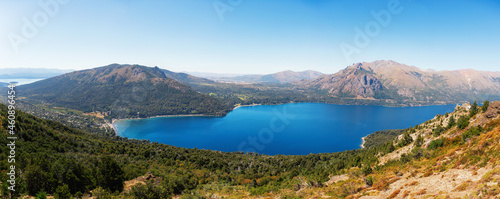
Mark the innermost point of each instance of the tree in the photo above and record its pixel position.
(473, 109)
(407, 139)
(62, 192)
(419, 141)
(463, 122)
(110, 174)
(451, 122)
(367, 170)
(485, 105)
(41, 195)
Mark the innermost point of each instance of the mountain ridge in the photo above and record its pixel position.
(403, 82)
(122, 91)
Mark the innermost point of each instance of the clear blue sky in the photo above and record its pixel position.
(256, 36)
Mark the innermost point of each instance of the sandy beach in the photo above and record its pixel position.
(363, 143)
(245, 105)
(112, 125)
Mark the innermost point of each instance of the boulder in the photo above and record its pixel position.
(493, 109)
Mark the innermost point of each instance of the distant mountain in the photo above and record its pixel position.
(395, 81)
(122, 91)
(29, 73)
(212, 76)
(279, 77)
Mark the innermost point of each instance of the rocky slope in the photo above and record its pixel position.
(392, 80)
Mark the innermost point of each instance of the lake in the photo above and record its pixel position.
(290, 129)
(20, 81)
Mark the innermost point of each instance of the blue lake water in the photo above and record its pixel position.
(290, 129)
(20, 81)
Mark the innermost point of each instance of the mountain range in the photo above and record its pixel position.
(396, 81)
(122, 91)
(279, 77)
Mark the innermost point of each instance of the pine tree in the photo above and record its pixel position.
(485, 105)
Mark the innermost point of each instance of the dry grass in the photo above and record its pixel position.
(394, 194)
(382, 184)
(413, 183)
(406, 193)
(428, 173)
(422, 191)
(462, 186)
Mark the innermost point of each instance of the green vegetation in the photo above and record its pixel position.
(436, 143)
(473, 131)
(473, 109)
(122, 92)
(485, 105)
(419, 141)
(57, 159)
(463, 122)
(381, 137)
(407, 139)
(451, 122)
(438, 130)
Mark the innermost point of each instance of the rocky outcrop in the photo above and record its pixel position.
(353, 81)
(493, 110)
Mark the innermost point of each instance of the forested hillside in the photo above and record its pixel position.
(56, 159)
(122, 91)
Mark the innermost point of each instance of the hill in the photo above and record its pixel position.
(121, 91)
(394, 81)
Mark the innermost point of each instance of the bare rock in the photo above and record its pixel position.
(493, 109)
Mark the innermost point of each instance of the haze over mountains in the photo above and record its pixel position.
(279, 77)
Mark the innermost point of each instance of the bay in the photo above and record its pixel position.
(289, 129)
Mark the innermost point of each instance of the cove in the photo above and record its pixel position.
(289, 129)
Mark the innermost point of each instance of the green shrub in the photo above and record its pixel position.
(438, 130)
(41, 195)
(367, 170)
(451, 122)
(369, 181)
(473, 131)
(419, 141)
(473, 109)
(463, 122)
(407, 139)
(436, 143)
(62, 192)
(485, 105)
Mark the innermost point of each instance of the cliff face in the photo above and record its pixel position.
(353, 81)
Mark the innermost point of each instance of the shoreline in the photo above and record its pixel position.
(245, 105)
(112, 124)
(363, 142)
